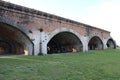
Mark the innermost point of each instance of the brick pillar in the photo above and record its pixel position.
(85, 43)
(104, 43)
(43, 43)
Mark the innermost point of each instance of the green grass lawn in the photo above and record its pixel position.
(93, 65)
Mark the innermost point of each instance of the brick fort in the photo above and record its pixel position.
(32, 32)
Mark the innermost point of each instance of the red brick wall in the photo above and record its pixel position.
(35, 22)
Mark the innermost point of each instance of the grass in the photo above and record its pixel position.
(93, 65)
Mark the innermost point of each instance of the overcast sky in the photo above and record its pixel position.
(104, 14)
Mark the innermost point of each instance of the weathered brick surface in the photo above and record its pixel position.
(34, 20)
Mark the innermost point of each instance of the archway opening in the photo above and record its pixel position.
(12, 40)
(4, 47)
(111, 44)
(95, 43)
(64, 42)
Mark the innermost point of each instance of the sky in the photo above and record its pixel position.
(104, 14)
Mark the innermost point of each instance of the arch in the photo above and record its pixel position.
(111, 43)
(95, 43)
(14, 24)
(59, 30)
(64, 41)
(15, 35)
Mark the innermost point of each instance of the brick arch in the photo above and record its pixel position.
(53, 33)
(62, 30)
(10, 24)
(94, 35)
(14, 24)
(111, 43)
(92, 45)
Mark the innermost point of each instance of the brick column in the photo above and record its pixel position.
(43, 43)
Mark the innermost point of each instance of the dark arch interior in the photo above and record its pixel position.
(95, 44)
(4, 47)
(111, 44)
(64, 42)
(11, 40)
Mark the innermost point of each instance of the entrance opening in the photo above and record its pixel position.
(64, 42)
(12, 40)
(4, 47)
(111, 44)
(95, 44)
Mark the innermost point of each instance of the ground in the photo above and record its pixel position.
(93, 65)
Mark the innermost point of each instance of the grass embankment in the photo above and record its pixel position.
(93, 65)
